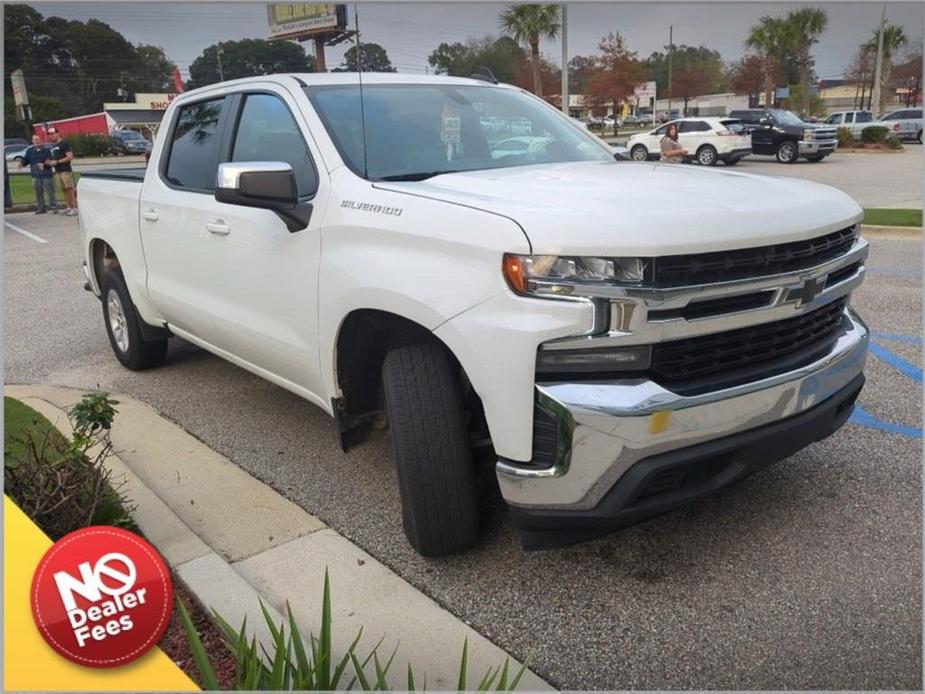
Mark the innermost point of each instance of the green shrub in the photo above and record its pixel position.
(290, 664)
(845, 137)
(63, 485)
(893, 143)
(89, 145)
(875, 134)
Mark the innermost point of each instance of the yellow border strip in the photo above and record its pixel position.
(29, 662)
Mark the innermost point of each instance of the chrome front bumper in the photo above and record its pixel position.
(817, 146)
(610, 426)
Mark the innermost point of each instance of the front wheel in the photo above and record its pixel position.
(431, 447)
(706, 155)
(123, 325)
(788, 153)
(639, 153)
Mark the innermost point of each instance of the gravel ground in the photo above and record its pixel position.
(805, 576)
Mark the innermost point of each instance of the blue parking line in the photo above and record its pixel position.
(892, 337)
(864, 418)
(898, 363)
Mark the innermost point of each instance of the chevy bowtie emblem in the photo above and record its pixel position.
(810, 289)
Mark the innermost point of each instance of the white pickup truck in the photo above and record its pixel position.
(616, 338)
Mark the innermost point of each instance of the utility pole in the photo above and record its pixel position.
(564, 89)
(670, 52)
(878, 67)
(221, 72)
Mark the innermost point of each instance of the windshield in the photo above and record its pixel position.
(421, 130)
(130, 135)
(786, 117)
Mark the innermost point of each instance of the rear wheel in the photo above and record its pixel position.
(432, 450)
(706, 155)
(787, 152)
(123, 326)
(639, 153)
(919, 136)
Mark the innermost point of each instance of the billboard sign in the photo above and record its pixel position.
(645, 91)
(300, 20)
(20, 96)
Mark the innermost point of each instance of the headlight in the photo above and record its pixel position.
(808, 134)
(563, 275)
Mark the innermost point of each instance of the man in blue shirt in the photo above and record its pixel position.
(36, 158)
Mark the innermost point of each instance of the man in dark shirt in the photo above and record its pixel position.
(36, 158)
(61, 156)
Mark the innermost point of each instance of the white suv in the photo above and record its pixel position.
(708, 140)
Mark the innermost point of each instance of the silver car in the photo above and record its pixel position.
(906, 123)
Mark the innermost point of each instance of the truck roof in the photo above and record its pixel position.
(312, 79)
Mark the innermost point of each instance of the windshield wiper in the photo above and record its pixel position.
(417, 176)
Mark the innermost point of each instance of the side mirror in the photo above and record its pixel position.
(766, 122)
(268, 185)
(621, 153)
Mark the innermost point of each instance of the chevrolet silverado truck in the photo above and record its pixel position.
(781, 133)
(610, 340)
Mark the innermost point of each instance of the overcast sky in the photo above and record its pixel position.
(410, 31)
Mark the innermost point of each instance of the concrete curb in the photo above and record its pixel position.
(889, 232)
(235, 542)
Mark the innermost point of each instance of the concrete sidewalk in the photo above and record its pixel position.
(234, 541)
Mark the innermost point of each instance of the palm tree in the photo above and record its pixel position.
(804, 27)
(770, 38)
(894, 38)
(527, 24)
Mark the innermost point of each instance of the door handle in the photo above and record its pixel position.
(218, 227)
(150, 215)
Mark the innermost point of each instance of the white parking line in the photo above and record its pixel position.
(27, 234)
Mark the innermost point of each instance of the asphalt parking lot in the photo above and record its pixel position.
(805, 576)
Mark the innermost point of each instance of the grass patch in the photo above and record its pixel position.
(21, 422)
(24, 194)
(62, 484)
(893, 218)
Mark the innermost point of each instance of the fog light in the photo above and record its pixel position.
(603, 359)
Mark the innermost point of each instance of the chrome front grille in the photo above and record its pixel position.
(723, 266)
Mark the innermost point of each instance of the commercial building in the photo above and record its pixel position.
(144, 114)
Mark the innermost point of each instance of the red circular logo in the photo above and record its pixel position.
(101, 596)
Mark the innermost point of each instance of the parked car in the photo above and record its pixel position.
(14, 152)
(781, 133)
(15, 141)
(614, 340)
(129, 142)
(906, 123)
(708, 140)
(855, 121)
(665, 116)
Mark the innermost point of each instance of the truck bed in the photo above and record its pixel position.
(134, 173)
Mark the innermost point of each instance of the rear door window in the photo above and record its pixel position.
(864, 117)
(194, 147)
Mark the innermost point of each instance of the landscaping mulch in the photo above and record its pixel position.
(175, 645)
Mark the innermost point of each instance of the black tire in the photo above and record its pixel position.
(788, 152)
(430, 444)
(919, 137)
(128, 344)
(706, 155)
(639, 153)
(732, 161)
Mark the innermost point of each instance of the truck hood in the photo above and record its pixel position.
(636, 208)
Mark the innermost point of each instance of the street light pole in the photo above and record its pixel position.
(564, 89)
(670, 52)
(878, 67)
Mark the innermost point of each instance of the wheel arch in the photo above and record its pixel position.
(364, 337)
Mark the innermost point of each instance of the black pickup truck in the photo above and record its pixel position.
(781, 133)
